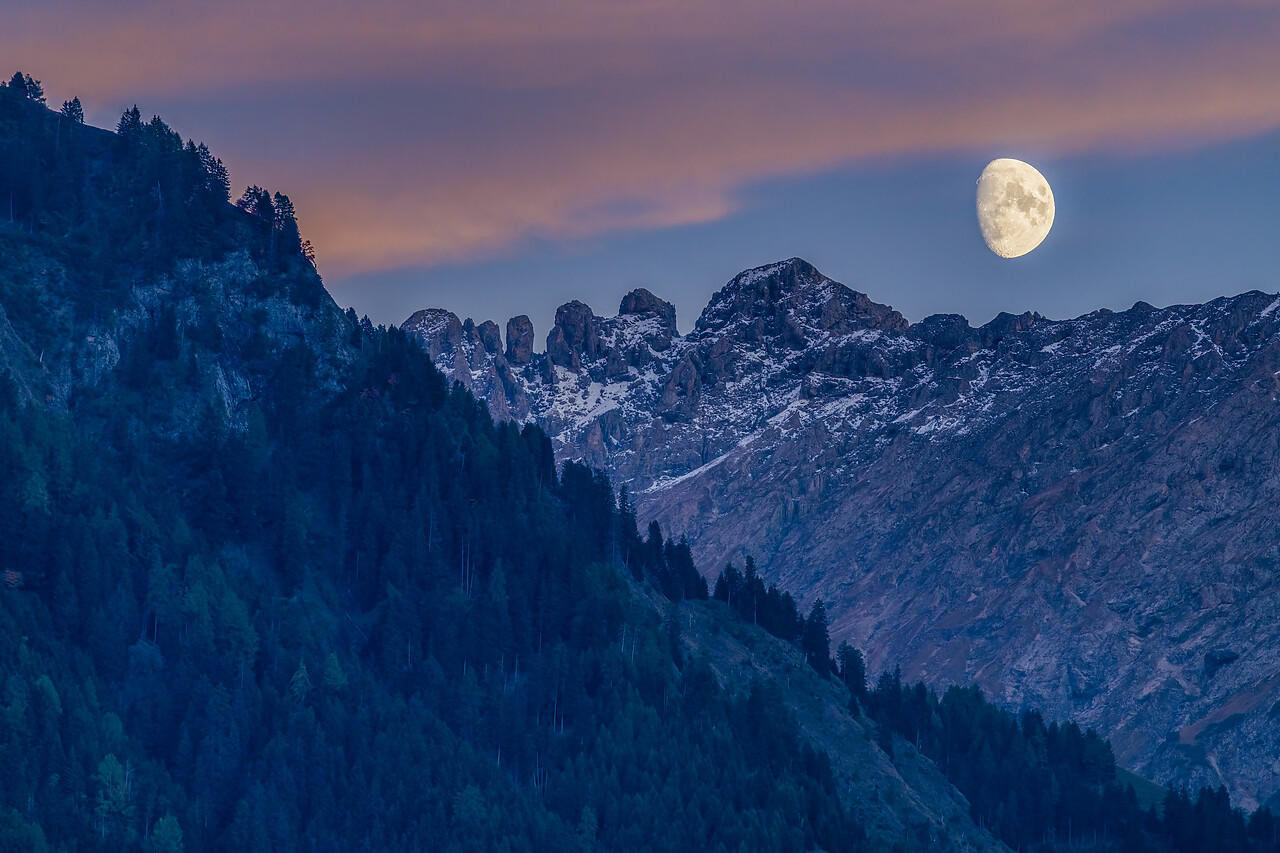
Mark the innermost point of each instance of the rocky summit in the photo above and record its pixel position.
(1078, 515)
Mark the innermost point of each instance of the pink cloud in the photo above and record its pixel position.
(452, 130)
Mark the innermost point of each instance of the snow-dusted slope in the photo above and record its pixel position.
(1079, 515)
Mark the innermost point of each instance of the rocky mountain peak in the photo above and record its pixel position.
(642, 304)
(488, 334)
(574, 337)
(794, 302)
(946, 332)
(473, 354)
(437, 329)
(641, 301)
(1004, 325)
(644, 322)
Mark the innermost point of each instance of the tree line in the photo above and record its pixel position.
(128, 203)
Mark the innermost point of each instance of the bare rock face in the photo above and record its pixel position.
(221, 321)
(574, 338)
(490, 337)
(1077, 515)
(438, 330)
(474, 356)
(782, 302)
(641, 303)
(519, 340)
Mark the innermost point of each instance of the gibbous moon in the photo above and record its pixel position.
(1015, 207)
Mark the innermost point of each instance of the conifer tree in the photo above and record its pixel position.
(35, 91)
(300, 684)
(72, 110)
(814, 641)
(130, 124)
(166, 836)
(286, 223)
(27, 86)
(113, 806)
(853, 671)
(334, 678)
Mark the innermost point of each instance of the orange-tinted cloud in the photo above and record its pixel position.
(413, 133)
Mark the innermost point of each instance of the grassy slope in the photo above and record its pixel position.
(1150, 795)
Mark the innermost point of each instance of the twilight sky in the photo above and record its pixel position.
(497, 157)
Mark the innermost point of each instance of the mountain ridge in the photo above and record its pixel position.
(1105, 477)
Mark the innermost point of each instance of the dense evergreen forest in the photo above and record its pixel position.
(371, 620)
(362, 616)
(1032, 783)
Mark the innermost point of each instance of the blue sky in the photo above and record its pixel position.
(1166, 227)
(497, 157)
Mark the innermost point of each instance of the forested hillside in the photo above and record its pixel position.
(351, 614)
(271, 584)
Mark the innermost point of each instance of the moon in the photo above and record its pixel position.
(1015, 207)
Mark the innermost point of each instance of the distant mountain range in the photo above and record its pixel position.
(1077, 515)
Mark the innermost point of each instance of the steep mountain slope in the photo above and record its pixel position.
(902, 799)
(1077, 515)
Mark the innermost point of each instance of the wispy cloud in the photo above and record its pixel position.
(414, 133)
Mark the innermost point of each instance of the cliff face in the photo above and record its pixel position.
(224, 326)
(1078, 515)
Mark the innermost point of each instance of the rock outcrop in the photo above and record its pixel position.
(222, 319)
